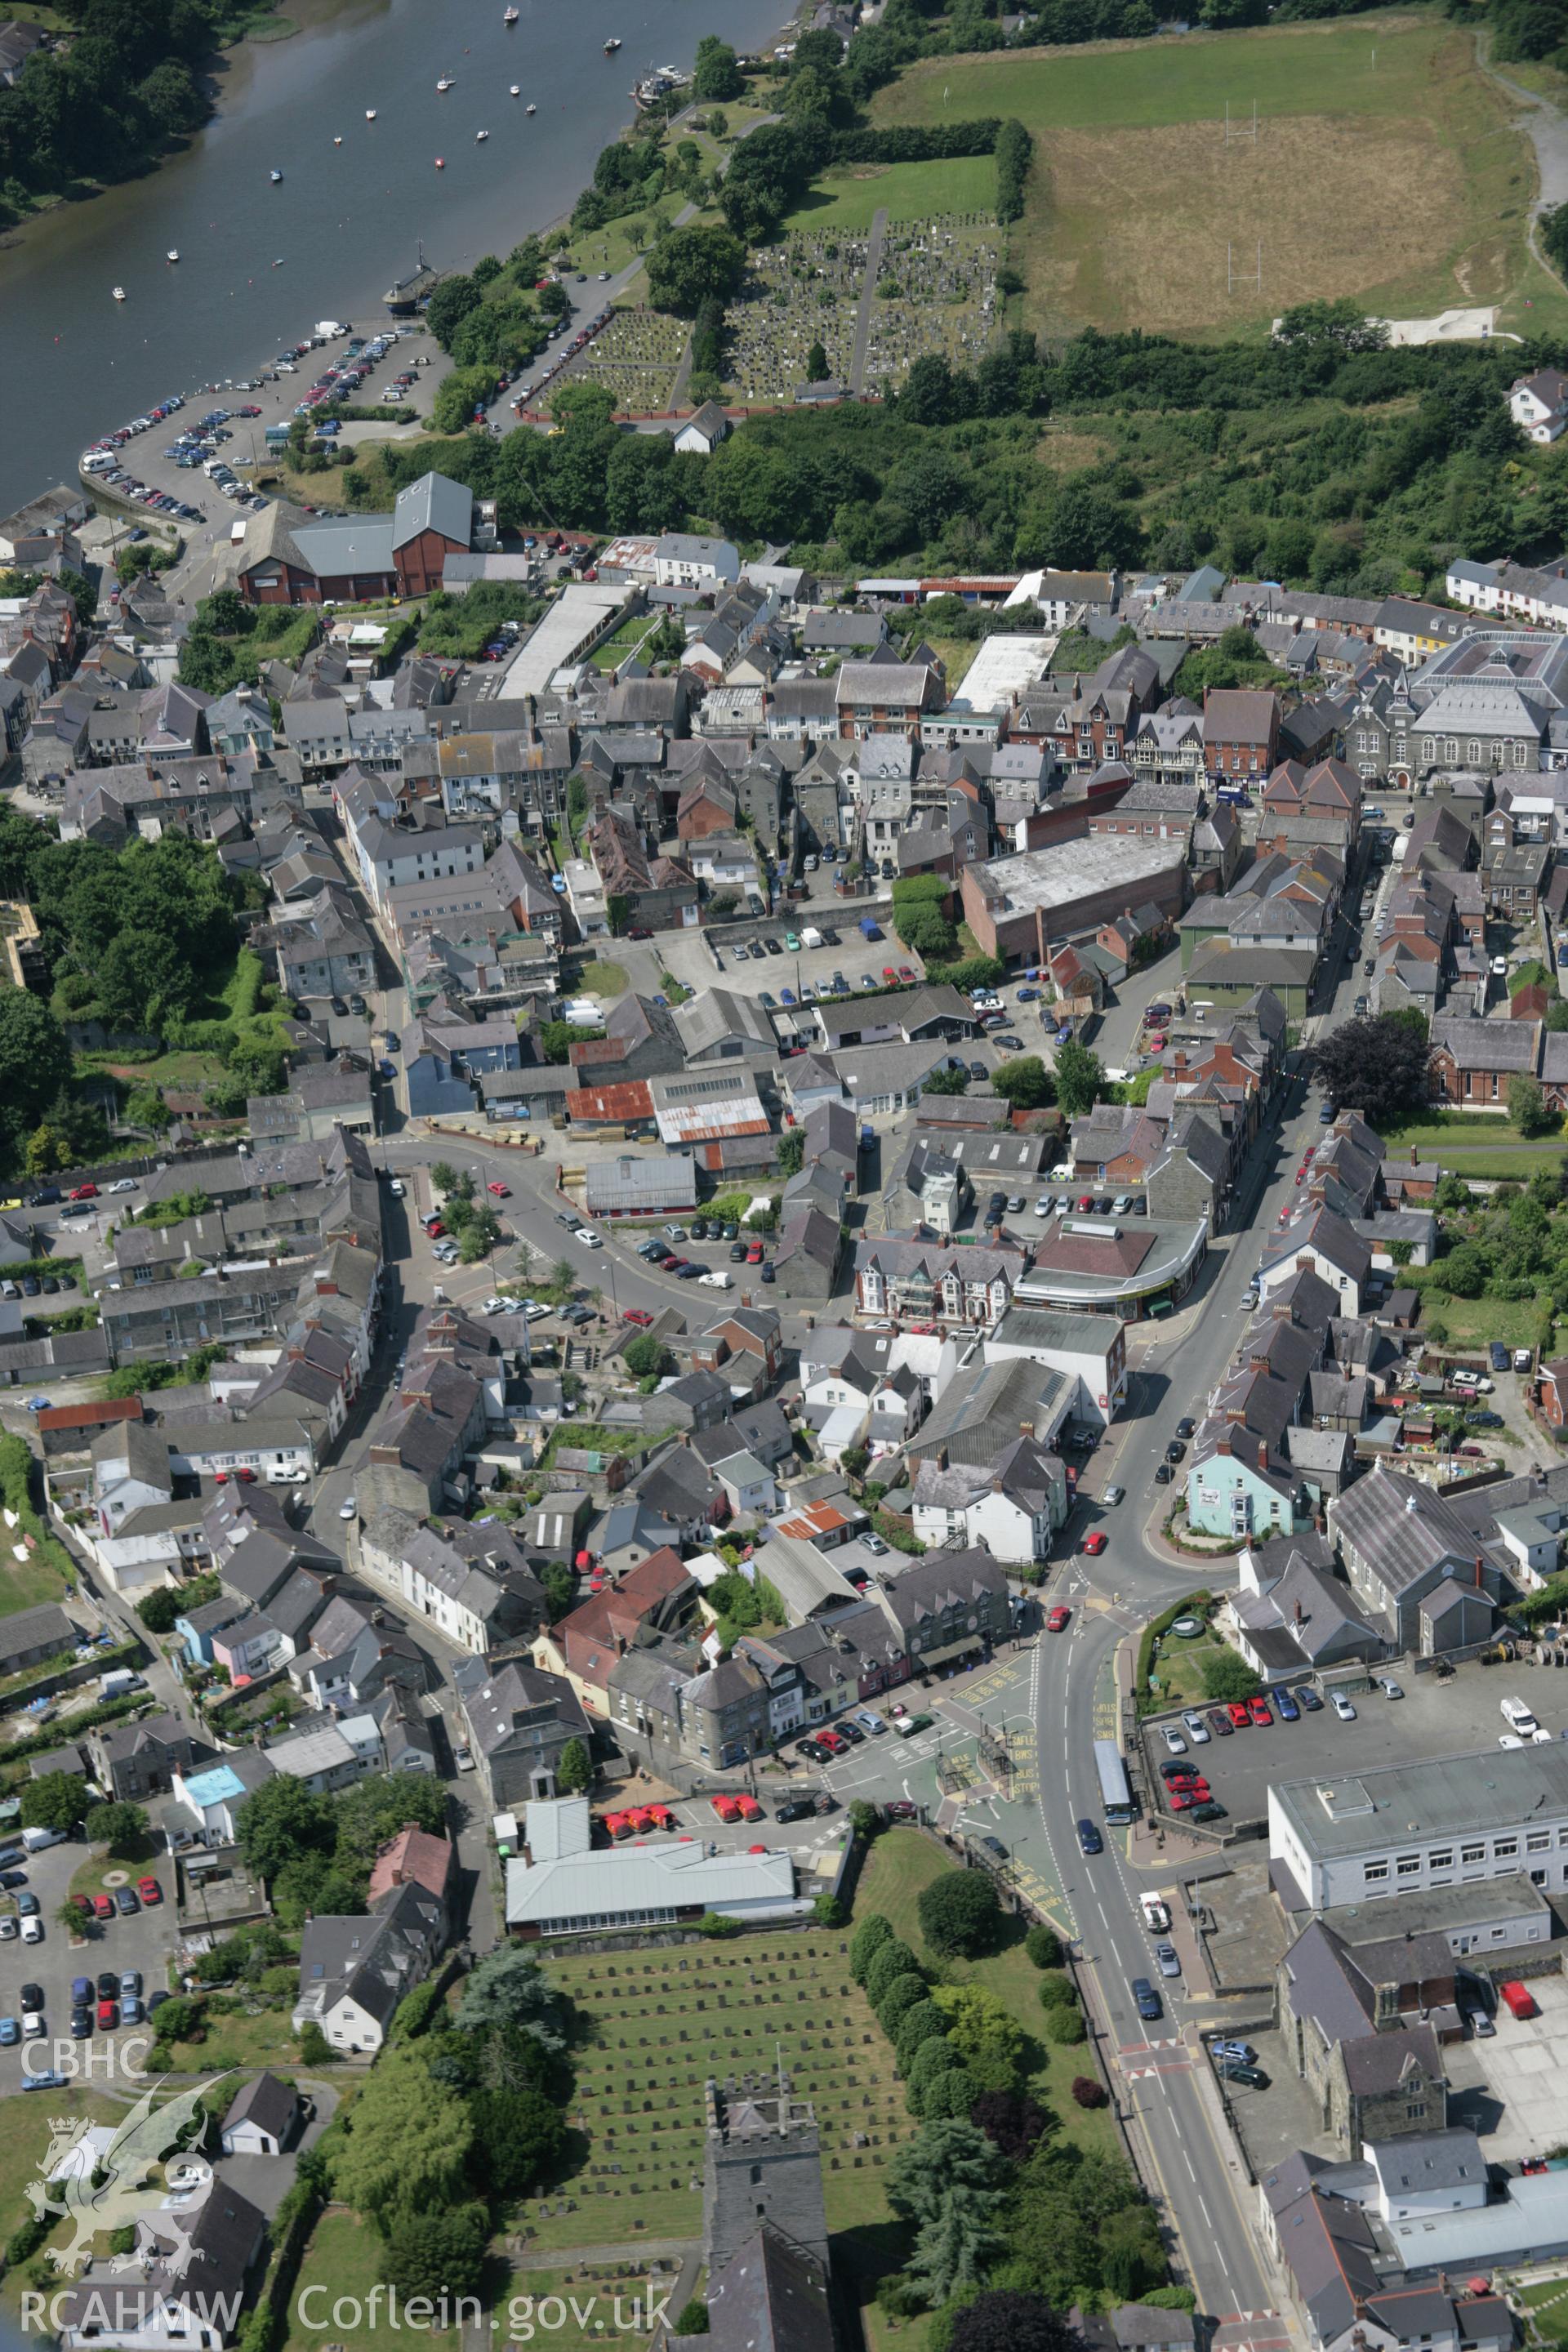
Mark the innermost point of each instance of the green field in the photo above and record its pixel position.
(1136, 193)
(849, 199)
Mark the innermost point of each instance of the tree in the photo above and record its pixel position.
(690, 266)
(1375, 1066)
(817, 364)
(145, 1107)
(645, 1354)
(463, 391)
(1026, 1082)
(891, 1958)
(521, 2130)
(1065, 2026)
(905, 1993)
(1088, 2093)
(1227, 1676)
(959, 1913)
(867, 1941)
(560, 1584)
(121, 1826)
(1013, 2121)
(935, 2056)
(282, 1821)
(1079, 1078)
(437, 2255)
(315, 2050)
(35, 1063)
(952, 1081)
(1004, 2321)
(510, 1988)
(1527, 1107)
(407, 2147)
(716, 75)
(791, 1155)
(865, 1820)
(575, 1770)
(948, 2181)
(55, 1801)
(1043, 1945)
(983, 2030)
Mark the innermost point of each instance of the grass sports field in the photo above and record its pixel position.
(906, 192)
(1136, 193)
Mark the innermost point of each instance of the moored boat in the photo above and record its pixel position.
(275, 177)
(173, 254)
(611, 45)
(119, 293)
(370, 114)
(479, 138)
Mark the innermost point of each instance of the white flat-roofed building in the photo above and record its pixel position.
(564, 635)
(577, 1894)
(1355, 1836)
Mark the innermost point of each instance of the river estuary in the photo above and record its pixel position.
(343, 221)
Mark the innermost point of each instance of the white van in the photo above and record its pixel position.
(1519, 1718)
(278, 1474)
(715, 1281)
(36, 1839)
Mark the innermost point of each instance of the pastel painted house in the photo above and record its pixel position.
(1234, 1493)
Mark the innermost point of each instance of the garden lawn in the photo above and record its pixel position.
(1136, 193)
(1178, 1669)
(899, 1865)
(345, 2258)
(28, 1583)
(602, 979)
(92, 1876)
(1473, 1322)
(850, 198)
(261, 2041)
(22, 2152)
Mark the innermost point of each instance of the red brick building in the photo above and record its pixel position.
(1241, 733)
(352, 559)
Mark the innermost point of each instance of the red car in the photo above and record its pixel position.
(905, 974)
(639, 1316)
(754, 1254)
(85, 1192)
(501, 1191)
(1182, 1799)
(1086, 1201)
(149, 1890)
(888, 972)
(1260, 1711)
(1094, 1543)
(103, 1908)
(1240, 1713)
(108, 2014)
(727, 1808)
(434, 1229)
(1058, 1618)
(834, 1741)
(749, 1809)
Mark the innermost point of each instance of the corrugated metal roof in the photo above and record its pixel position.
(645, 1879)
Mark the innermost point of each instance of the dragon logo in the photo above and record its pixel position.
(138, 2176)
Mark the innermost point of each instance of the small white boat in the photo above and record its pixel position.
(275, 177)
(516, 92)
(511, 16)
(531, 108)
(370, 114)
(119, 293)
(611, 47)
(446, 81)
(173, 254)
(440, 163)
(336, 142)
(479, 137)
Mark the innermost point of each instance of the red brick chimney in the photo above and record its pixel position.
(1263, 1454)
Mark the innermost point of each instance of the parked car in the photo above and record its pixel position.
(1341, 1706)
(1233, 2070)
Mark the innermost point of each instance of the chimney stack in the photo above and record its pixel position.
(1263, 1454)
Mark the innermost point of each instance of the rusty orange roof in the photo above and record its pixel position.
(90, 1416)
(817, 1520)
(631, 1098)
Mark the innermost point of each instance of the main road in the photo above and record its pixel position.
(1164, 2084)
